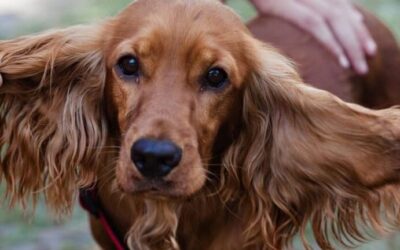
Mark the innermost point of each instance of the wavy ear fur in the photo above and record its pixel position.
(52, 127)
(306, 156)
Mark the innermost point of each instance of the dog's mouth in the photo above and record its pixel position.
(156, 185)
(155, 188)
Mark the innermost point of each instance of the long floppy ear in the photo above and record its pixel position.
(51, 121)
(304, 155)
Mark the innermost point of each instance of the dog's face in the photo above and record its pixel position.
(175, 72)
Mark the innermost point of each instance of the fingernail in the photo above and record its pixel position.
(371, 47)
(344, 62)
(362, 68)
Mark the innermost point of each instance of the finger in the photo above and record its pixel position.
(347, 27)
(364, 36)
(347, 36)
(357, 20)
(358, 16)
(310, 21)
(365, 41)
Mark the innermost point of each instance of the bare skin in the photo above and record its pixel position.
(334, 23)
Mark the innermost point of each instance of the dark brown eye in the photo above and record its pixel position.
(216, 78)
(129, 65)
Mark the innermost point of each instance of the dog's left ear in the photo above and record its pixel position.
(304, 155)
(52, 127)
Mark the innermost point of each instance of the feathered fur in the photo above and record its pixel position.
(326, 162)
(51, 122)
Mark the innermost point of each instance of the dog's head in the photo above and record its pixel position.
(186, 94)
(175, 74)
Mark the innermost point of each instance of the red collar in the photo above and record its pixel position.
(89, 200)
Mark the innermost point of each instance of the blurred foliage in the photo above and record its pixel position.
(19, 232)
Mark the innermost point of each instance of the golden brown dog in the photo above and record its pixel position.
(198, 135)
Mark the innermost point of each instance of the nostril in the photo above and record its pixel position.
(173, 159)
(155, 158)
(138, 159)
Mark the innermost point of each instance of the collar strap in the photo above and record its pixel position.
(90, 201)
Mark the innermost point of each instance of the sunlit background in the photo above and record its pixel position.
(19, 17)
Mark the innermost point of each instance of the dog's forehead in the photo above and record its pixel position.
(178, 17)
(183, 33)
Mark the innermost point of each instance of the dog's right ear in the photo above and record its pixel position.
(305, 157)
(52, 127)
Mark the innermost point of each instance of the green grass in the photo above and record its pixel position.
(19, 229)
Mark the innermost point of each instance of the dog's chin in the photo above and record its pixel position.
(157, 189)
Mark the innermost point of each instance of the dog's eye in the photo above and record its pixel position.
(129, 65)
(216, 78)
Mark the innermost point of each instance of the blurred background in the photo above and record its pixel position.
(18, 17)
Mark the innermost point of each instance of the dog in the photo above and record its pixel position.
(196, 135)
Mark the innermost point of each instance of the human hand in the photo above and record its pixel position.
(335, 23)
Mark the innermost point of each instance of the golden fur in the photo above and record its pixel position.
(262, 158)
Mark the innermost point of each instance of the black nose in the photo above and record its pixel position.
(155, 158)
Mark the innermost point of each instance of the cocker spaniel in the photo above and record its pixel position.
(196, 134)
